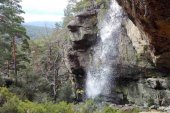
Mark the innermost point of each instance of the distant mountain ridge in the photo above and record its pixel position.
(35, 32)
(47, 24)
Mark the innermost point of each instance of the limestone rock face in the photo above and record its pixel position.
(83, 36)
(152, 17)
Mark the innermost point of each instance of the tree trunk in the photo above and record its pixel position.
(8, 68)
(14, 59)
(54, 88)
(55, 69)
(93, 3)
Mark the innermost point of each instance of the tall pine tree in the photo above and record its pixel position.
(14, 41)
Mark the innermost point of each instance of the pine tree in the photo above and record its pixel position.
(13, 34)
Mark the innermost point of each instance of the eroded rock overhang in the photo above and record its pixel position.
(153, 18)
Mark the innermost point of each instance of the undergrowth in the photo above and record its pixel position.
(10, 103)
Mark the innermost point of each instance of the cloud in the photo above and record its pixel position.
(43, 10)
(44, 17)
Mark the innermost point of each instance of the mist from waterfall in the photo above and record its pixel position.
(100, 73)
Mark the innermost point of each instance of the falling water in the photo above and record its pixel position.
(100, 73)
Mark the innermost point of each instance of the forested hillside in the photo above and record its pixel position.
(34, 70)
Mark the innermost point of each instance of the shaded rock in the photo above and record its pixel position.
(167, 109)
(73, 60)
(83, 36)
(87, 14)
(73, 26)
(153, 107)
(138, 92)
(126, 108)
(157, 83)
(152, 111)
(86, 42)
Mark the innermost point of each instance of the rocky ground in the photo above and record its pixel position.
(152, 111)
(142, 109)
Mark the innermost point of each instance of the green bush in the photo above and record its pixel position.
(150, 102)
(10, 106)
(11, 101)
(4, 92)
(65, 93)
(14, 105)
(2, 82)
(88, 107)
(110, 110)
(61, 107)
(33, 89)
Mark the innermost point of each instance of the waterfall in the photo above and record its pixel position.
(100, 72)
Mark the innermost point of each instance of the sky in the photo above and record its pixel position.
(43, 10)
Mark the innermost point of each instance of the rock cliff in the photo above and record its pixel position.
(144, 50)
(152, 17)
(84, 36)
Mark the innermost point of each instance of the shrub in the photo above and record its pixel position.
(14, 105)
(88, 107)
(11, 106)
(4, 92)
(108, 109)
(150, 102)
(65, 93)
(61, 107)
(2, 81)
